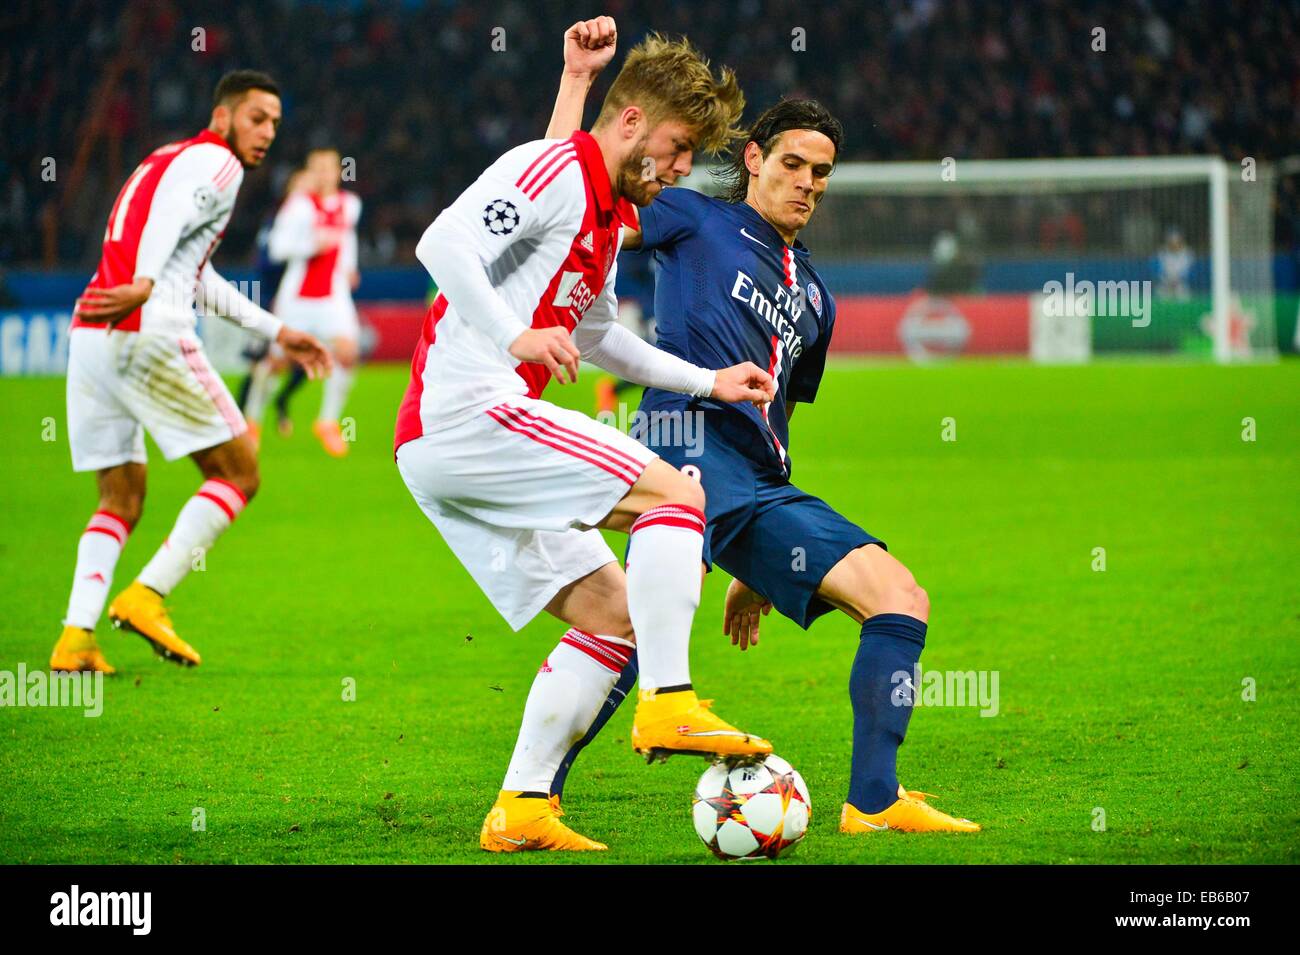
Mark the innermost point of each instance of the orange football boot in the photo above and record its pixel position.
(331, 438)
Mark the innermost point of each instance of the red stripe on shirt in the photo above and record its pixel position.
(589, 264)
(408, 415)
(538, 191)
(558, 159)
(546, 152)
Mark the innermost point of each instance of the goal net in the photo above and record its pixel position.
(1058, 259)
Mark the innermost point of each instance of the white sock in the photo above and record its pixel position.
(337, 386)
(567, 693)
(97, 553)
(663, 590)
(259, 392)
(201, 521)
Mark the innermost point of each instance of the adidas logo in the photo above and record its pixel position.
(587, 243)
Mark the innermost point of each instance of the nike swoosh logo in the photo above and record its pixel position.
(520, 842)
(752, 239)
(874, 826)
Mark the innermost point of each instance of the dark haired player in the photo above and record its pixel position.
(735, 284)
(135, 364)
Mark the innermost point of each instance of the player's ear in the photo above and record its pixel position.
(753, 157)
(631, 122)
(221, 119)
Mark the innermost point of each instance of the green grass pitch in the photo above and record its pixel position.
(1120, 689)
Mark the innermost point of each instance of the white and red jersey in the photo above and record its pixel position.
(312, 275)
(165, 224)
(543, 224)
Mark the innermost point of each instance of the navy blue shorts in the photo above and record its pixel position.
(764, 531)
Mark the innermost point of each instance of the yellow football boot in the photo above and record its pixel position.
(77, 650)
(518, 824)
(680, 722)
(255, 435)
(911, 813)
(141, 611)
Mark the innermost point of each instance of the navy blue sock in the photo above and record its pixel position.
(626, 680)
(891, 643)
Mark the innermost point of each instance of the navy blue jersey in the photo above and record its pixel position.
(730, 290)
(269, 273)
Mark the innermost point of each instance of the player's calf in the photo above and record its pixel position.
(121, 500)
(882, 595)
(232, 479)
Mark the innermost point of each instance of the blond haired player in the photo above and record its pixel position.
(315, 234)
(134, 364)
(517, 487)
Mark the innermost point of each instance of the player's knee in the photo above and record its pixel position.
(687, 492)
(248, 482)
(243, 474)
(895, 591)
(921, 603)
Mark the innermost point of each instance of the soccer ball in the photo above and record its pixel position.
(751, 811)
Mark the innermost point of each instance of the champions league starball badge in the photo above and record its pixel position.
(501, 217)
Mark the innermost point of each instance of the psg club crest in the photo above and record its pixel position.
(501, 217)
(815, 298)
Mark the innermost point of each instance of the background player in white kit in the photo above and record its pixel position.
(518, 486)
(315, 234)
(134, 363)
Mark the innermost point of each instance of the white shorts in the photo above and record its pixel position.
(122, 383)
(326, 318)
(516, 491)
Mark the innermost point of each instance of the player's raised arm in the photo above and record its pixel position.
(589, 45)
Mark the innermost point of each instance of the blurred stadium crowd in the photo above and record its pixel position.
(417, 96)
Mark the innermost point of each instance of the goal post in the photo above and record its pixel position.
(1061, 259)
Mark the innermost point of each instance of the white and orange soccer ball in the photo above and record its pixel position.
(753, 811)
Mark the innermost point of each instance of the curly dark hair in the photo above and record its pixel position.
(786, 115)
